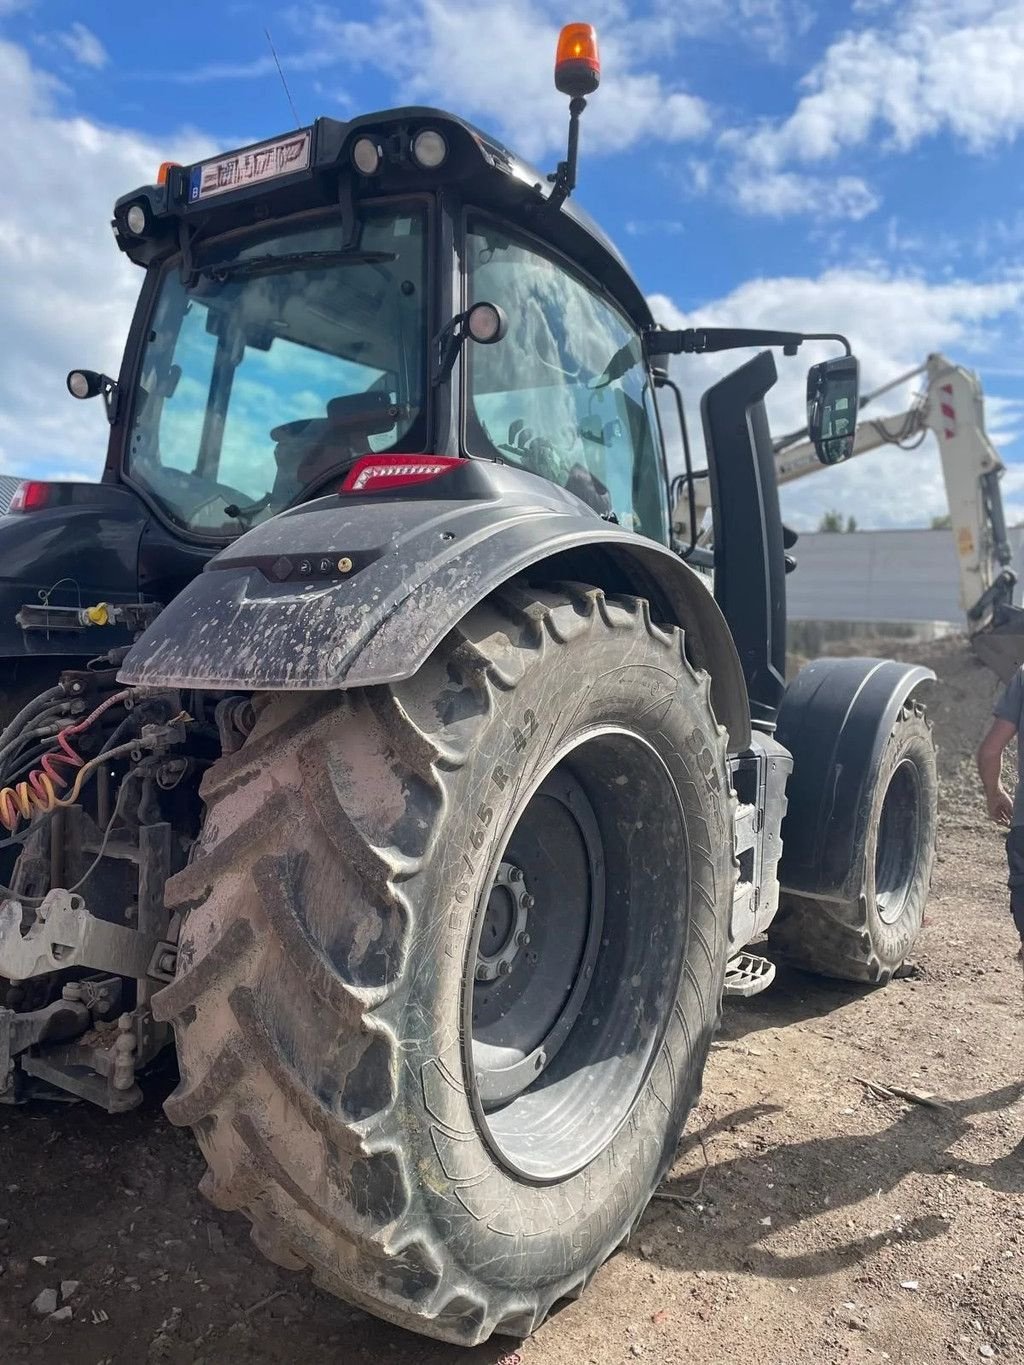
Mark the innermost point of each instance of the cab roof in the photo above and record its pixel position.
(313, 167)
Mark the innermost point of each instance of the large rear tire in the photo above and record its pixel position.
(868, 938)
(453, 959)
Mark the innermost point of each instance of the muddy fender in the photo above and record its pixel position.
(357, 590)
(835, 720)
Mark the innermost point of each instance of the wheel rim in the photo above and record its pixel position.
(575, 956)
(530, 986)
(897, 847)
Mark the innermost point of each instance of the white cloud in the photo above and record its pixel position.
(955, 67)
(67, 292)
(781, 194)
(497, 67)
(893, 324)
(912, 72)
(768, 26)
(655, 227)
(83, 46)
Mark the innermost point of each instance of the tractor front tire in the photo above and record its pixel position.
(868, 937)
(453, 959)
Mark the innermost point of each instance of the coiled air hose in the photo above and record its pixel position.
(38, 793)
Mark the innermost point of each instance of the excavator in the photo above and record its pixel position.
(951, 406)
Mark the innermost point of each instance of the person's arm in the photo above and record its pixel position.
(990, 766)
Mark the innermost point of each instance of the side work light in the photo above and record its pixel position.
(135, 219)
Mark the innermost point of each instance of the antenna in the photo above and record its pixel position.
(288, 93)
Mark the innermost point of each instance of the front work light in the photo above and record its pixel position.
(365, 155)
(577, 65)
(429, 149)
(136, 220)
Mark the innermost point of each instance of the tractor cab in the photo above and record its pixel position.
(306, 306)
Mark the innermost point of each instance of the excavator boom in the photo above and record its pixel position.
(952, 407)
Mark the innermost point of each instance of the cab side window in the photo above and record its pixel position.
(565, 394)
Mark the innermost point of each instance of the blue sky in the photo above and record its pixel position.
(853, 165)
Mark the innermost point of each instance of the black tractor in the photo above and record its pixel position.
(372, 738)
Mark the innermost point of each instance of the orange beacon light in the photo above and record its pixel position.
(577, 65)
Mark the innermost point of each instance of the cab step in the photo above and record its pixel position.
(748, 974)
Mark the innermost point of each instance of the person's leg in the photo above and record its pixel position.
(1015, 881)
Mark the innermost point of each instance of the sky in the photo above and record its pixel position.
(819, 165)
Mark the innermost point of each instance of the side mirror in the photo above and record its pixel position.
(833, 390)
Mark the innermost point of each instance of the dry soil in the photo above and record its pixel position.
(808, 1218)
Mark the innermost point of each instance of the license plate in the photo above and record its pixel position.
(253, 166)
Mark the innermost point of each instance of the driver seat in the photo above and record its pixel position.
(313, 447)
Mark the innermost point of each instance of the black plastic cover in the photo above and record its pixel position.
(750, 560)
(835, 719)
(82, 551)
(349, 591)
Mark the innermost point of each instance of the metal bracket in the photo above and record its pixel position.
(64, 934)
(164, 962)
(61, 1019)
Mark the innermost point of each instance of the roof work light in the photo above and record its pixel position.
(577, 64)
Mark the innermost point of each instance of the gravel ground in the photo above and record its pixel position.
(808, 1218)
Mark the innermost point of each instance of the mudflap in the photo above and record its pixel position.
(1000, 645)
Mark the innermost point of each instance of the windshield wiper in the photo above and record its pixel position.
(272, 264)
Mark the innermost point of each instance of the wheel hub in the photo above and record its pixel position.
(503, 934)
(530, 978)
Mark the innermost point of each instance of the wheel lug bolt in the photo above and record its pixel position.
(481, 973)
(527, 902)
(503, 969)
(516, 874)
(522, 938)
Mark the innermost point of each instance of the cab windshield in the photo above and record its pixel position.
(286, 357)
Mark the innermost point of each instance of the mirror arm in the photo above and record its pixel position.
(700, 340)
(111, 394)
(446, 347)
(664, 381)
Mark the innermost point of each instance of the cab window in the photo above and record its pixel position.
(566, 394)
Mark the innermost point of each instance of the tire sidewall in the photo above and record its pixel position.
(910, 741)
(482, 1211)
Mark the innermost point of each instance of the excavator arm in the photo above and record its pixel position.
(952, 407)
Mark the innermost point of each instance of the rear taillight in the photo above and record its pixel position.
(31, 495)
(381, 473)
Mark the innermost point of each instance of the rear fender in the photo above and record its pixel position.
(835, 719)
(351, 591)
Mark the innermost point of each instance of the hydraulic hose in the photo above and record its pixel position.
(37, 794)
(29, 713)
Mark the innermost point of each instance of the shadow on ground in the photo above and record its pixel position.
(796, 1181)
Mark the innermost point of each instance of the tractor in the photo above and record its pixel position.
(372, 740)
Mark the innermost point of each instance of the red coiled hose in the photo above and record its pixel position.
(37, 794)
